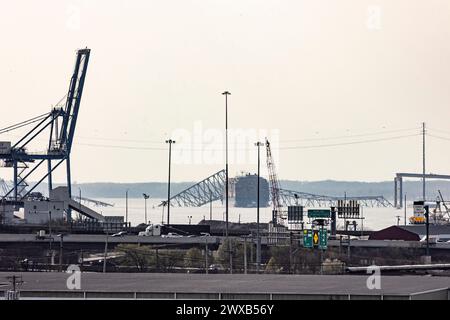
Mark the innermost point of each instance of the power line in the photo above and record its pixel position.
(119, 147)
(249, 148)
(439, 130)
(352, 136)
(121, 140)
(281, 141)
(438, 137)
(349, 143)
(23, 123)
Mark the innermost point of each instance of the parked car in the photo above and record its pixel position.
(431, 239)
(215, 268)
(171, 235)
(119, 234)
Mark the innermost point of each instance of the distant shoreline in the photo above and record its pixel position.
(413, 189)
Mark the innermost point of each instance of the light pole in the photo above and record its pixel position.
(50, 226)
(170, 141)
(226, 94)
(80, 197)
(405, 211)
(61, 247)
(427, 227)
(146, 196)
(210, 205)
(423, 163)
(126, 207)
(105, 254)
(258, 243)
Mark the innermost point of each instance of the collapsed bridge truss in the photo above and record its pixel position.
(213, 188)
(210, 189)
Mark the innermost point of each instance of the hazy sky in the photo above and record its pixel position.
(311, 75)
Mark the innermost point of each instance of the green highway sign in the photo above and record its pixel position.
(323, 239)
(307, 238)
(315, 238)
(319, 213)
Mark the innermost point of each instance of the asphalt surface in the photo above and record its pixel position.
(225, 283)
(99, 238)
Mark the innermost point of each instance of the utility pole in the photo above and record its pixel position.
(82, 260)
(61, 236)
(157, 259)
(252, 258)
(345, 212)
(206, 255)
(126, 207)
(105, 253)
(226, 94)
(80, 197)
(210, 206)
(245, 255)
(427, 222)
(50, 227)
(258, 243)
(290, 252)
(146, 196)
(404, 220)
(362, 221)
(170, 141)
(231, 256)
(423, 159)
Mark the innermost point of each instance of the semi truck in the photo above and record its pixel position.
(175, 230)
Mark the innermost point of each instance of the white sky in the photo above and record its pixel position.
(310, 69)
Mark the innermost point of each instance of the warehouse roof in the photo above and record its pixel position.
(411, 232)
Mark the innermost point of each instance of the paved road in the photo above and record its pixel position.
(225, 283)
(98, 238)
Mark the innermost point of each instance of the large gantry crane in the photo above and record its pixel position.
(60, 123)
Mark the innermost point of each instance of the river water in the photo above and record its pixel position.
(374, 218)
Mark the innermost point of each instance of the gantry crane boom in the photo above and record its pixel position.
(74, 98)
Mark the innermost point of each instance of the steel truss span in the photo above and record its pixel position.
(210, 189)
(213, 188)
(290, 198)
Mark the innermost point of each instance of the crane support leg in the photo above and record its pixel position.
(395, 193)
(69, 188)
(15, 181)
(50, 182)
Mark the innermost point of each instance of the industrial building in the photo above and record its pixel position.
(39, 210)
(412, 233)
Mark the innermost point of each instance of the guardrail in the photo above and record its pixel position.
(438, 294)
